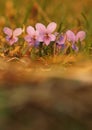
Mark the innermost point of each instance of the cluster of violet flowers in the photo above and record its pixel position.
(45, 35)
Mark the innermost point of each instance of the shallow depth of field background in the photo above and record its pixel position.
(67, 11)
(23, 107)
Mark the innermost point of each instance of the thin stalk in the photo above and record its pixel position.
(40, 49)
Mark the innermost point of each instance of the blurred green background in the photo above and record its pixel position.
(69, 12)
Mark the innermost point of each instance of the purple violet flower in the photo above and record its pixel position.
(80, 36)
(33, 36)
(71, 37)
(12, 35)
(61, 40)
(46, 35)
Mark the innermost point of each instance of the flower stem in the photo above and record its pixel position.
(40, 49)
(54, 49)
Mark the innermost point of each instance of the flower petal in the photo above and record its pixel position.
(8, 31)
(47, 41)
(30, 30)
(12, 41)
(52, 37)
(70, 36)
(17, 32)
(27, 38)
(61, 40)
(80, 36)
(74, 47)
(51, 27)
(36, 34)
(40, 38)
(40, 27)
